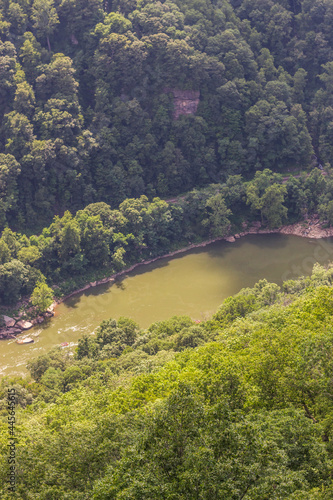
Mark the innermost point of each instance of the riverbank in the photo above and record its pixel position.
(309, 228)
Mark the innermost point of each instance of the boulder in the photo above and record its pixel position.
(6, 336)
(231, 239)
(9, 322)
(105, 280)
(24, 325)
(13, 331)
(237, 236)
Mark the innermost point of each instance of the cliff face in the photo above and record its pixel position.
(185, 102)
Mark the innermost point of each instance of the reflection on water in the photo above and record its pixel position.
(194, 283)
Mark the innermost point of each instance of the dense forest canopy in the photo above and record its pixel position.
(87, 97)
(239, 406)
(225, 110)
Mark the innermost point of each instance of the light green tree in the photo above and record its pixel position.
(42, 297)
(272, 207)
(118, 258)
(218, 215)
(29, 255)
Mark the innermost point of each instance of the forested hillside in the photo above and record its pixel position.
(129, 129)
(98, 241)
(238, 407)
(103, 100)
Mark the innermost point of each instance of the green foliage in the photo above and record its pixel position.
(45, 18)
(100, 240)
(247, 414)
(218, 214)
(106, 105)
(42, 297)
(85, 128)
(4, 252)
(112, 338)
(9, 170)
(28, 255)
(14, 280)
(54, 359)
(267, 198)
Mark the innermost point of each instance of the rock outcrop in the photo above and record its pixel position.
(9, 322)
(231, 239)
(310, 228)
(185, 102)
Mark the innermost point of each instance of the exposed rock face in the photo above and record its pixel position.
(9, 322)
(311, 228)
(185, 102)
(13, 331)
(4, 335)
(74, 39)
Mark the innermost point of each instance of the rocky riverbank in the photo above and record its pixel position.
(308, 228)
(16, 325)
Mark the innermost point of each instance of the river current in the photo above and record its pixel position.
(193, 283)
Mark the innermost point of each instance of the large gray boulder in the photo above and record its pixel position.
(9, 322)
(24, 325)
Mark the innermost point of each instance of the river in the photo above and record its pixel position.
(193, 283)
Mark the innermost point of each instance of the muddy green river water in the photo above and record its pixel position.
(193, 283)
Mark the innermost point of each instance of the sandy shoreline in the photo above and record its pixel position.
(308, 228)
